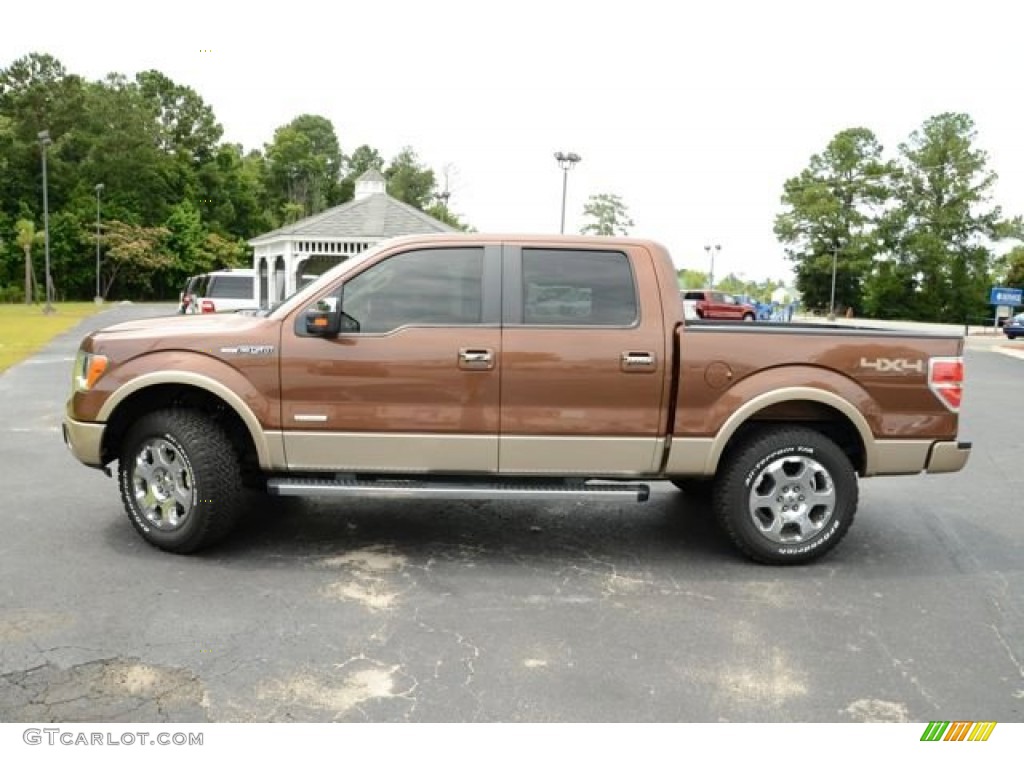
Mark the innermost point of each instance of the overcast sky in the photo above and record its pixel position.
(694, 114)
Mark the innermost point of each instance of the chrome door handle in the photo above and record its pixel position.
(477, 359)
(637, 358)
(638, 362)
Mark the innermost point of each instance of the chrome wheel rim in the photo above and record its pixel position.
(162, 484)
(792, 500)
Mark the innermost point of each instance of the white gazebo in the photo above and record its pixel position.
(311, 246)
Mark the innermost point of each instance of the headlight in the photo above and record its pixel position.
(87, 371)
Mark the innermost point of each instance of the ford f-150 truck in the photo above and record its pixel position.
(480, 367)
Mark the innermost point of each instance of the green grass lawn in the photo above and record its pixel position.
(24, 329)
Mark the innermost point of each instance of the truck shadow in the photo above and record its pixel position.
(667, 526)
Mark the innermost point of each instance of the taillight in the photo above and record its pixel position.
(946, 380)
(207, 306)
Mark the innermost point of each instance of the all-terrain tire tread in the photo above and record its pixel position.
(216, 471)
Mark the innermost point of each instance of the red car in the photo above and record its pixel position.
(716, 305)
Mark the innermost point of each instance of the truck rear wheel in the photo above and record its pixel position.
(787, 496)
(180, 480)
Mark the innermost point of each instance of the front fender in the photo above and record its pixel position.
(255, 408)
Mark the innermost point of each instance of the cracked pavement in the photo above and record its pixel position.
(507, 611)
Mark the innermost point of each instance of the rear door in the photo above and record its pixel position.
(412, 384)
(585, 368)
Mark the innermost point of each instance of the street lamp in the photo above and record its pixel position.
(711, 253)
(44, 142)
(566, 161)
(99, 296)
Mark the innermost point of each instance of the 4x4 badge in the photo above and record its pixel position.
(896, 365)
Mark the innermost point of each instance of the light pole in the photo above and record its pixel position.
(711, 253)
(566, 161)
(44, 142)
(99, 296)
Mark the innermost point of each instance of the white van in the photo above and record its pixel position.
(226, 290)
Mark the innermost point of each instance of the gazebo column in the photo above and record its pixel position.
(262, 286)
(289, 274)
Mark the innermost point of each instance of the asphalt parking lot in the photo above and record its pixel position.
(508, 611)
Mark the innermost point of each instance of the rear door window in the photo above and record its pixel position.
(566, 287)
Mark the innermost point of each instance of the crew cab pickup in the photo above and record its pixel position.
(484, 366)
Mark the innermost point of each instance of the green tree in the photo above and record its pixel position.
(304, 163)
(184, 243)
(224, 252)
(409, 180)
(37, 93)
(608, 216)
(732, 284)
(1012, 268)
(141, 181)
(232, 197)
(939, 263)
(135, 256)
(692, 279)
(187, 125)
(364, 157)
(831, 215)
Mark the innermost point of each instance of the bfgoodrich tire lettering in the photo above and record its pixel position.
(180, 480)
(788, 495)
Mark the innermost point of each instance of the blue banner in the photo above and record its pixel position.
(1006, 297)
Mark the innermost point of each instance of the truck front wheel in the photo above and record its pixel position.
(786, 496)
(180, 480)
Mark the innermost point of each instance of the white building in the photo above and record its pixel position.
(313, 245)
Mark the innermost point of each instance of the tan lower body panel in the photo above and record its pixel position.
(897, 457)
(386, 452)
(689, 456)
(948, 457)
(85, 441)
(591, 456)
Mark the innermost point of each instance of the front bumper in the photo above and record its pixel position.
(85, 440)
(948, 456)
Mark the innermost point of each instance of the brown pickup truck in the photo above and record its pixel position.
(481, 367)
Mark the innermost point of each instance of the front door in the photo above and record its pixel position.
(411, 384)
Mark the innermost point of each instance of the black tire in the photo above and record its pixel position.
(180, 480)
(761, 500)
(695, 487)
(748, 318)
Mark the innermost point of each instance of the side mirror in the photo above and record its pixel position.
(324, 318)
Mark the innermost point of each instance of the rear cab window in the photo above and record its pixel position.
(586, 287)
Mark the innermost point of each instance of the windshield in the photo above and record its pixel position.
(307, 292)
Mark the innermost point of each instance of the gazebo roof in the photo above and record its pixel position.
(377, 215)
